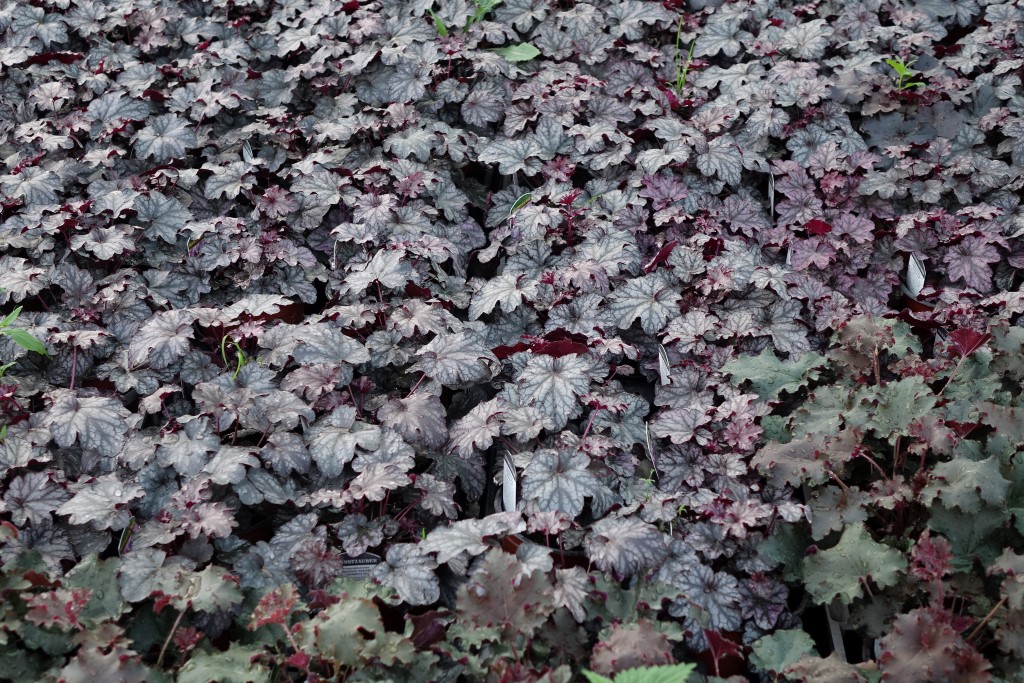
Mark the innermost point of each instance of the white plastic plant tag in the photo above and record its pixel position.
(915, 276)
(508, 484)
(359, 567)
(789, 257)
(771, 195)
(247, 153)
(664, 366)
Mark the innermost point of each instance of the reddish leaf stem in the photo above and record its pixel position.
(952, 375)
(417, 385)
(988, 617)
(167, 641)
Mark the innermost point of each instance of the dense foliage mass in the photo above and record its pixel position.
(303, 297)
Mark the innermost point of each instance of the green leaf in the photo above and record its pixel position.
(1005, 419)
(834, 509)
(341, 631)
(22, 665)
(777, 651)
(964, 484)
(980, 536)
(126, 536)
(523, 52)
(442, 30)
(899, 404)
(785, 549)
(1012, 565)
(520, 203)
(49, 640)
(769, 376)
(10, 317)
(823, 411)
(233, 666)
(25, 340)
(899, 67)
(842, 570)
(100, 576)
(672, 673)
(211, 589)
(793, 463)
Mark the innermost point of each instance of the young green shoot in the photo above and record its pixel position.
(442, 30)
(241, 359)
(482, 8)
(19, 336)
(904, 73)
(518, 204)
(682, 68)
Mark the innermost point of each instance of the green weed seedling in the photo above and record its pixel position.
(241, 359)
(442, 30)
(19, 336)
(482, 8)
(22, 339)
(904, 73)
(682, 68)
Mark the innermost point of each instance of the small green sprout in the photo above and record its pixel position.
(241, 358)
(482, 8)
(19, 336)
(23, 339)
(442, 30)
(126, 536)
(682, 68)
(520, 203)
(904, 72)
(516, 206)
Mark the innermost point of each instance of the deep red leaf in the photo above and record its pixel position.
(965, 342)
(713, 247)
(414, 290)
(506, 351)
(47, 57)
(817, 227)
(661, 256)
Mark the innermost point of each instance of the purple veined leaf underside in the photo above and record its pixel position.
(664, 366)
(509, 492)
(914, 280)
(247, 153)
(650, 446)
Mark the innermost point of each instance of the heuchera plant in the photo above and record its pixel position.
(910, 461)
(298, 316)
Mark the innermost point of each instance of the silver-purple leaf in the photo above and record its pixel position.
(94, 422)
(625, 545)
(101, 502)
(410, 572)
(419, 418)
(559, 480)
(32, 497)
